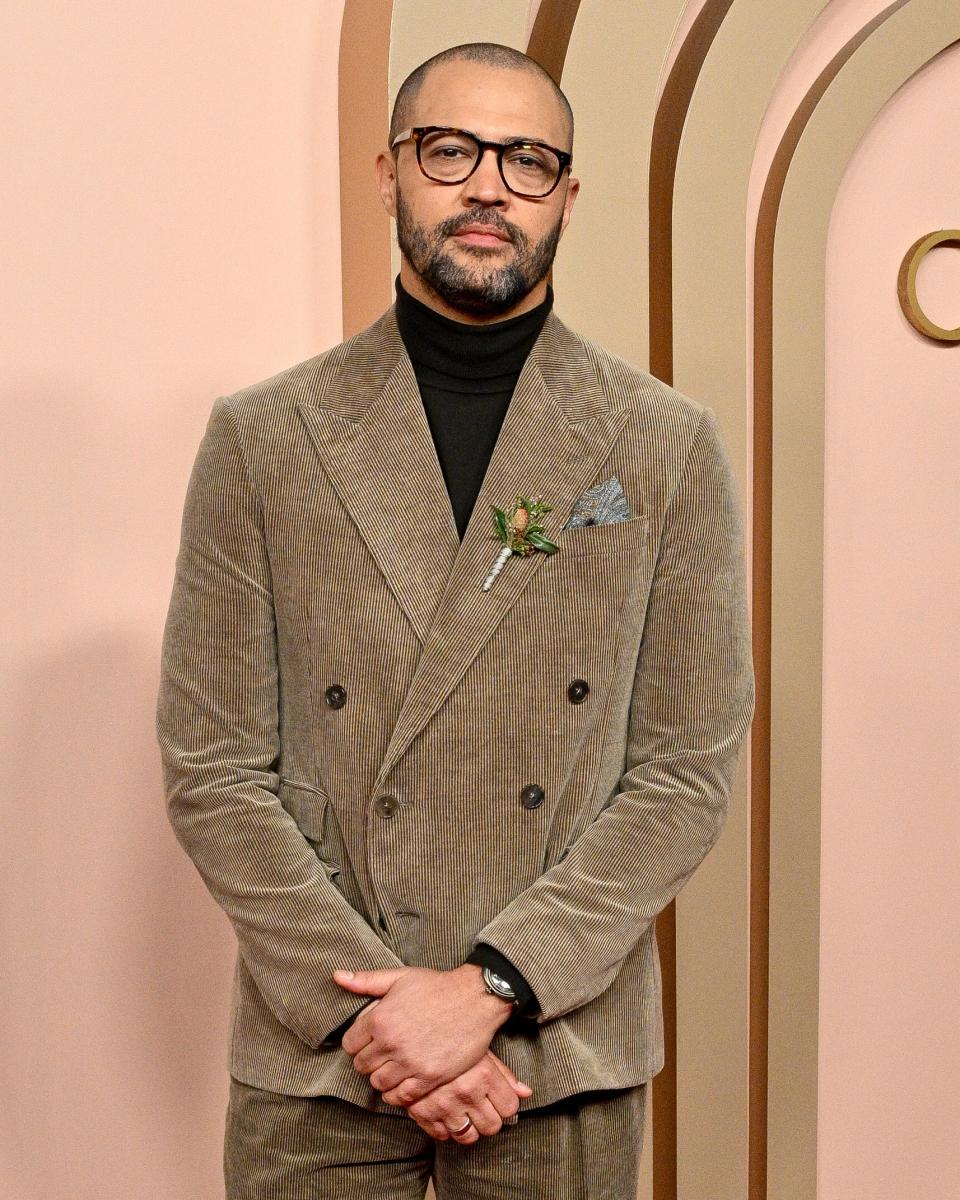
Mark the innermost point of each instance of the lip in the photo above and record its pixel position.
(481, 235)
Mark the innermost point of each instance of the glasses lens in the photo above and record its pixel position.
(532, 170)
(449, 157)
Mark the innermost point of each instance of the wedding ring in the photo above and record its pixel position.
(462, 1128)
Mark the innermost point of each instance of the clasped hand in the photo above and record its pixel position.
(424, 1043)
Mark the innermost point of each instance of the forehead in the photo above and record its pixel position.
(492, 101)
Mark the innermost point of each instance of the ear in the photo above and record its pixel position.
(573, 189)
(387, 181)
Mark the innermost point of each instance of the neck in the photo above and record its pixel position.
(469, 358)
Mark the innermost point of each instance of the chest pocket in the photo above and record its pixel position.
(600, 570)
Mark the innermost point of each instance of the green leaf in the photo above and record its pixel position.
(542, 543)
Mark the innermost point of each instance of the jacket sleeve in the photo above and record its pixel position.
(691, 707)
(217, 727)
(485, 956)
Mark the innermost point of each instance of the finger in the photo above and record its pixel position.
(521, 1088)
(386, 1077)
(358, 1035)
(502, 1096)
(370, 983)
(486, 1119)
(407, 1091)
(466, 1136)
(370, 1058)
(436, 1129)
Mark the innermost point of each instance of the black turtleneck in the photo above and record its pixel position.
(466, 374)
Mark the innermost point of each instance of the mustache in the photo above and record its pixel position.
(451, 227)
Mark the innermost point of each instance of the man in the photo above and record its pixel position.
(455, 676)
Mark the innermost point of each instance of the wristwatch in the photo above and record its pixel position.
(498, 986)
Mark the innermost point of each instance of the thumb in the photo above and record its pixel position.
(368, 983)
(522, 1089)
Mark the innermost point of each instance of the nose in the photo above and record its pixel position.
(485, 185)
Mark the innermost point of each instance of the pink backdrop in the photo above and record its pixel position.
(170, 233)
(889, 1052)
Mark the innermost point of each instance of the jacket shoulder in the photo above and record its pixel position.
(307, 379)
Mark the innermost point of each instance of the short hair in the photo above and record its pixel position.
(491, 54)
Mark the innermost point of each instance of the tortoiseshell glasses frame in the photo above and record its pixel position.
(418, 132)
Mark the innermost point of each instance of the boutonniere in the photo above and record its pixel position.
(520, 532)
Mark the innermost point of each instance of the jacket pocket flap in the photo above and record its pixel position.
(306, 804)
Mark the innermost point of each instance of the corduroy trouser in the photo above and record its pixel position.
(277, 1147)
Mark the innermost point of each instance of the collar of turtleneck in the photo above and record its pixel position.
(460, 357)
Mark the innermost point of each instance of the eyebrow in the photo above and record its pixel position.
(514, 137)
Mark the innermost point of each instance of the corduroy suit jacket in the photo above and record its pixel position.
(372, 762)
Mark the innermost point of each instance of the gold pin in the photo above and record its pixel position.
(520, 532)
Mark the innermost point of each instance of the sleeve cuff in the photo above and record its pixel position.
(333, 1038)
(486, 956)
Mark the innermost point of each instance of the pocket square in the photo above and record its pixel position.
(600, 504)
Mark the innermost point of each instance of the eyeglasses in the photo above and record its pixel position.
(528, 168)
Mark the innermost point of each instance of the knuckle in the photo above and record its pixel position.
(432, 1079)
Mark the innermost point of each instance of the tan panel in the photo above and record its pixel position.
(610, 77)
(610, 74)
(364, 225)
(709, 312)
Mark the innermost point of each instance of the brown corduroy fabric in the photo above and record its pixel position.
(583, 1147)
(318, 551)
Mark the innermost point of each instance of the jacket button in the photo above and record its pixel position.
(577, 691)
(532, 796)
(386, 806)
(335, 695)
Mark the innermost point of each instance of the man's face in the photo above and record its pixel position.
(482, 277)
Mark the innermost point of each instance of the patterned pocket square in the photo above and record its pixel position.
(599, 505)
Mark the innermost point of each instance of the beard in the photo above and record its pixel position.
(484, 289)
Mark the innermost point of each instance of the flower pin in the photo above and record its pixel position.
(520, 532)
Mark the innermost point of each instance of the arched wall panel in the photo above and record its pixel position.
(897, 48)
(722, 945)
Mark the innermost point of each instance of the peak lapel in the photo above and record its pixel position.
(555, 436)
(370, 429)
